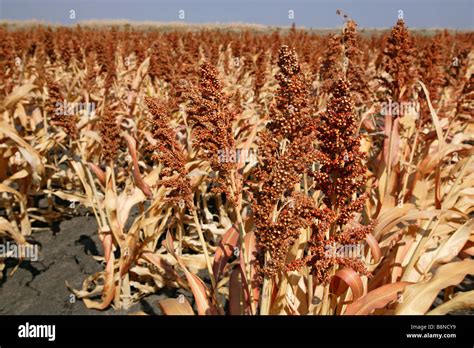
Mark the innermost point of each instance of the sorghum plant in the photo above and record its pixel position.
(341, 177)
(286, 151)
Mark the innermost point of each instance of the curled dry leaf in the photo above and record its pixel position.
(375, 299)
(347, 278)
(173, 306)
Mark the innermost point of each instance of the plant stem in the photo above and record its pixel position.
(206, 255)
(266, 292)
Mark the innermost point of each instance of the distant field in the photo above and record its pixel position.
(179, 26)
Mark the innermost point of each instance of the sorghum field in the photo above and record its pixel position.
(271, 172)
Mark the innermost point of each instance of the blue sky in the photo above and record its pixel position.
(457, 14)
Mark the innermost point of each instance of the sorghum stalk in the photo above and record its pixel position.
(168, 151)
(341, 178)
(285, 153)
(211, 117)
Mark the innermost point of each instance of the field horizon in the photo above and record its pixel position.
(189, 26)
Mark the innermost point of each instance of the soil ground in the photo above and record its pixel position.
(66, 254)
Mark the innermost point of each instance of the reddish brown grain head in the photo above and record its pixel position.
(110, 132)
(341, 178)
(59, 116)
(353, 63)
(331, 63)
(290, 116)
(211, 116)
(398, 61)
(168, 152)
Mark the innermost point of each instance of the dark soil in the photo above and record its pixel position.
(40, 287)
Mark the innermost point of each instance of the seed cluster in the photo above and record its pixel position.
(105, 51)
(318, 259)
(211, 117)
(341, 162)
(58, 117)
(169, 153)
(433, 62)
(49, 46)
(331, 67)
(354, 59)
(111, 135)
(290, 117)
(398, 61)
